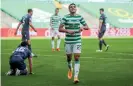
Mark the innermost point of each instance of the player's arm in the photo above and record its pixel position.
(18, 27)
(100, 23)
(61, 27)
(30, 23)
(30, 64)
(85, 26)
(50, 21)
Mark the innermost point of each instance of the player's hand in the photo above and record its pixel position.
(81, 29)
(15, 33)
(52, 28)
(70, 32)
(85, 27)
(98, 30)
(31, 73)
(35, 30)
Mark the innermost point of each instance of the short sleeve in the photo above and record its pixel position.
(63, 20)
(22, 20)
(82, 21)
(101, 17)
(30, 19)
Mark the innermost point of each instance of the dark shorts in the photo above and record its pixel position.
(25, 36)
(17, 62)
(101, 34)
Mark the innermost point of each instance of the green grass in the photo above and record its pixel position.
(112, 68)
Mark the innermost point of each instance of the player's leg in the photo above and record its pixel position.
(52, 40)
(106, 45)
(29, 45)
(101, 41)
(26, 37)
(23, 38)
(22, 70)
(77, 51)
(52, 44)
(58, 41)
(100, 44)
(12, 70)
(69, 58)
(100, 38)
(12, 63)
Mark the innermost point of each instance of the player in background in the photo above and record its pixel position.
(54, 23)
(17, 65)
(101, 30)
(70, 25)
(26, 22)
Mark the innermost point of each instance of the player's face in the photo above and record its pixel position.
(31, 13)
(101, 11)
(72, 9)
(56, 11)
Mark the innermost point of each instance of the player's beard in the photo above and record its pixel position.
(72, 13)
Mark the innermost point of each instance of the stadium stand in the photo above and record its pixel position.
(6, 20)
(119, 15)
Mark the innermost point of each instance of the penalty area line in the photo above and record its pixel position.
(41, 50)
(81, 57)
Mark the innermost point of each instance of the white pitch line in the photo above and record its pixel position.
(63, 50)
(33, 49)
(81, 57)
(120, 53)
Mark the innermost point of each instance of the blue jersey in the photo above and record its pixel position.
(103, 18)
(25, 20)
(22, 52)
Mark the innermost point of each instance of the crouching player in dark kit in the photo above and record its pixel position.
(16, 61)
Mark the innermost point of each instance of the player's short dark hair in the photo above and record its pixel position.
(101, 9)
(72, 4)
(24, 43)
(30, 10)
(57, 9)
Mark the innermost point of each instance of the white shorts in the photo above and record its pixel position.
(73, 48)
(54, 33)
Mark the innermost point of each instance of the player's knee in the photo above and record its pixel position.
(76, 57)
(52, 38)
(69, 57)
(29, 42)
(24, 72)
(100, 39)
(58, 37)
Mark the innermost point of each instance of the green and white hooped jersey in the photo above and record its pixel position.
(55, 21)
(73, 23)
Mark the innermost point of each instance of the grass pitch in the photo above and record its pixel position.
(112, 68)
